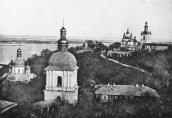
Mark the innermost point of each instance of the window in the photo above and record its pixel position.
(59, 81)
(18, 70)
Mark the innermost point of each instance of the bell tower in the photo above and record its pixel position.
(146, 35)
(61, 73)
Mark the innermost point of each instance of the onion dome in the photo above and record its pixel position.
(62, 42)
(19, 62)
(146, 29)
(135, 39)
(62, 60)
(131, 35)
(146, 25)
(63, 32)
(124, 35)
(127, 31)
(63, 29)
(19, 52)
(127, 35)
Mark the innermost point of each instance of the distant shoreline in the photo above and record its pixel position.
(33, 42)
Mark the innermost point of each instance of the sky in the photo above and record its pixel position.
(86, 18)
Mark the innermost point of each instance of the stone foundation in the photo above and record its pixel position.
(70, 97)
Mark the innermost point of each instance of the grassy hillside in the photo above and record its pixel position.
(92, 69)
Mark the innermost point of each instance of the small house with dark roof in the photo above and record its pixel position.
(108, 93)
(118, 53)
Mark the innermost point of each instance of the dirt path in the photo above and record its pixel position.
(129, 66)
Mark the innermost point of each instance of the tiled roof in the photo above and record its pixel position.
(61, 68)
(5, 105)
(129, 90)
(18, 62)
(44, 104)
(21, 77)
(118, 52)
(62, 60)
(157, 44)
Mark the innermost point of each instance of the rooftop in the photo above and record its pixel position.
(129, 90)
(62, 61)
(20, 77)
(5, 105)
(119, 52)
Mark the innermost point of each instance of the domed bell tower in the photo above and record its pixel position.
(61, 73)
(145, 35)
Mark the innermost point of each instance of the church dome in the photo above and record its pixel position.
(18, 62)
(63, 29)
(62, 41)
(63, 61)
(19, 50)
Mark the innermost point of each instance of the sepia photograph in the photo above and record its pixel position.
(85, 58)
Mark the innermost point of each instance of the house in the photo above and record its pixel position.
(109, 93)
(118, 53)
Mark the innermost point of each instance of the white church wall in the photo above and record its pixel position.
(18, 70)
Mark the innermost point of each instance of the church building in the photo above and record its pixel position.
(129, 42)
(18, 71)
(61, 73)
(147, 44)
(18, 65)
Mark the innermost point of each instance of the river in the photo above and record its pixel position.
(8, 51)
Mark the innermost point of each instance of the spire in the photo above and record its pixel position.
(62, 42)
(146, 26)
(63, 31)
(63, 22)
(131, 35)
(145, 31)
(127, 31)
(124, 35)
(19, 52)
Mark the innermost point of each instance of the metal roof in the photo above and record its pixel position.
(129, 90)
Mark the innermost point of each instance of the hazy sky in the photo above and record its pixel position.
(86, 18)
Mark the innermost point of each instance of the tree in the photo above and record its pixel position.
(115, 45)
(45, 52)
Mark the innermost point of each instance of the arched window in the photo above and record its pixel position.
(59, 81)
